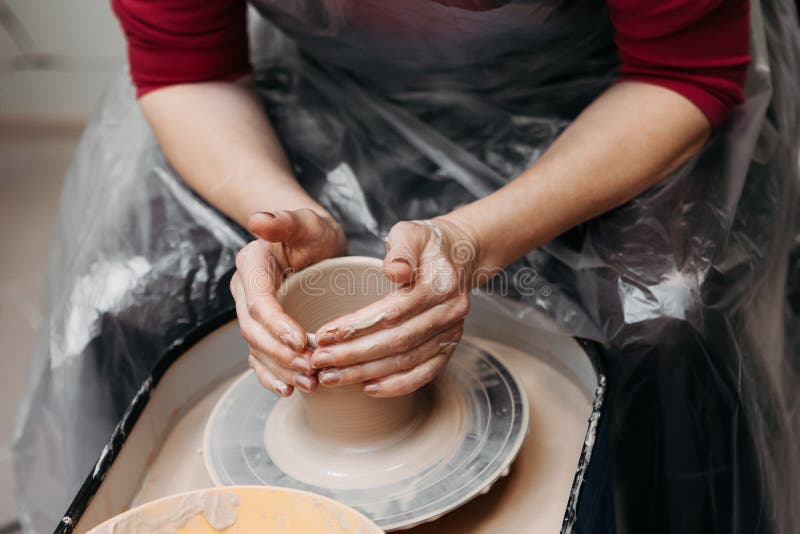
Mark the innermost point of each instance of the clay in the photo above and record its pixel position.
(334, 288)
(531, 499)
(217, 507)
(241, 509)
(175, 468)
(380, 441)
(347, 417)
(534, 496)
(340, 438)
(342, 441)
(401, 480)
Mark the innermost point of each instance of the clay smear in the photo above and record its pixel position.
(217, 507)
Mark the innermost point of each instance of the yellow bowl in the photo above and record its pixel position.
(243, 510)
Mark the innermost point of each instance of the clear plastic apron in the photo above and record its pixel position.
(404, 110)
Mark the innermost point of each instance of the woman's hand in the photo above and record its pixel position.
(402, 342)
(287, 241)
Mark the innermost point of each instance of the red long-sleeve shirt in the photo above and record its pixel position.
(697, 48)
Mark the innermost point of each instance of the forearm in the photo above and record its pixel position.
(220, 142)
(631, 137)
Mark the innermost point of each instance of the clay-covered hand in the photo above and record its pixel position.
(287, 241)
(403, 341)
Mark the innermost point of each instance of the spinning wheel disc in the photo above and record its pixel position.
(489, 416)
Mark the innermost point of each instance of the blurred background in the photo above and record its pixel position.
(55, 58)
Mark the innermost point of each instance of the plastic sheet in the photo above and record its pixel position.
(395, 111)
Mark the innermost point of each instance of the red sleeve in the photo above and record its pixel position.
(697, 48)
(183, 41)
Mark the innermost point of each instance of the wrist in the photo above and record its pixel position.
(469, 247)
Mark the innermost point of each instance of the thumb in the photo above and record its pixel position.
(275, 227)
(404, 246)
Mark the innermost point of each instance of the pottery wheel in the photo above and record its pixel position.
(473, 421)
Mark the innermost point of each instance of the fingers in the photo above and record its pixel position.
(267, 378)
(404, 246)
(287, 226)
(289, 239)
(258, 276)
(304, 236)
(261, 339)
(274, 376)
(383, 367)
(407, 382)
(275, 227)
(397, 340)
(280, 367)
(404, 303)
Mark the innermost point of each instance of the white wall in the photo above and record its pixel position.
(78, 46)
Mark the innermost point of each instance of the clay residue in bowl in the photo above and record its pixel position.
(217, 507)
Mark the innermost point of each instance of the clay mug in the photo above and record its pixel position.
(321, 293)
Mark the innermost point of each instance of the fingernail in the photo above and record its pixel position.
(401, 260)
(268, 214)
(311, 340)
(329, 336)
(320, 360)
(302, 365)
(303, 382)
(280, 387)
(330, 376)
(371, 389)
(289, 339)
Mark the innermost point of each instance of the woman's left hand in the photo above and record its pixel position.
(403, 341)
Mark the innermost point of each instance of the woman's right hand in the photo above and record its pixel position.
(287, 241)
